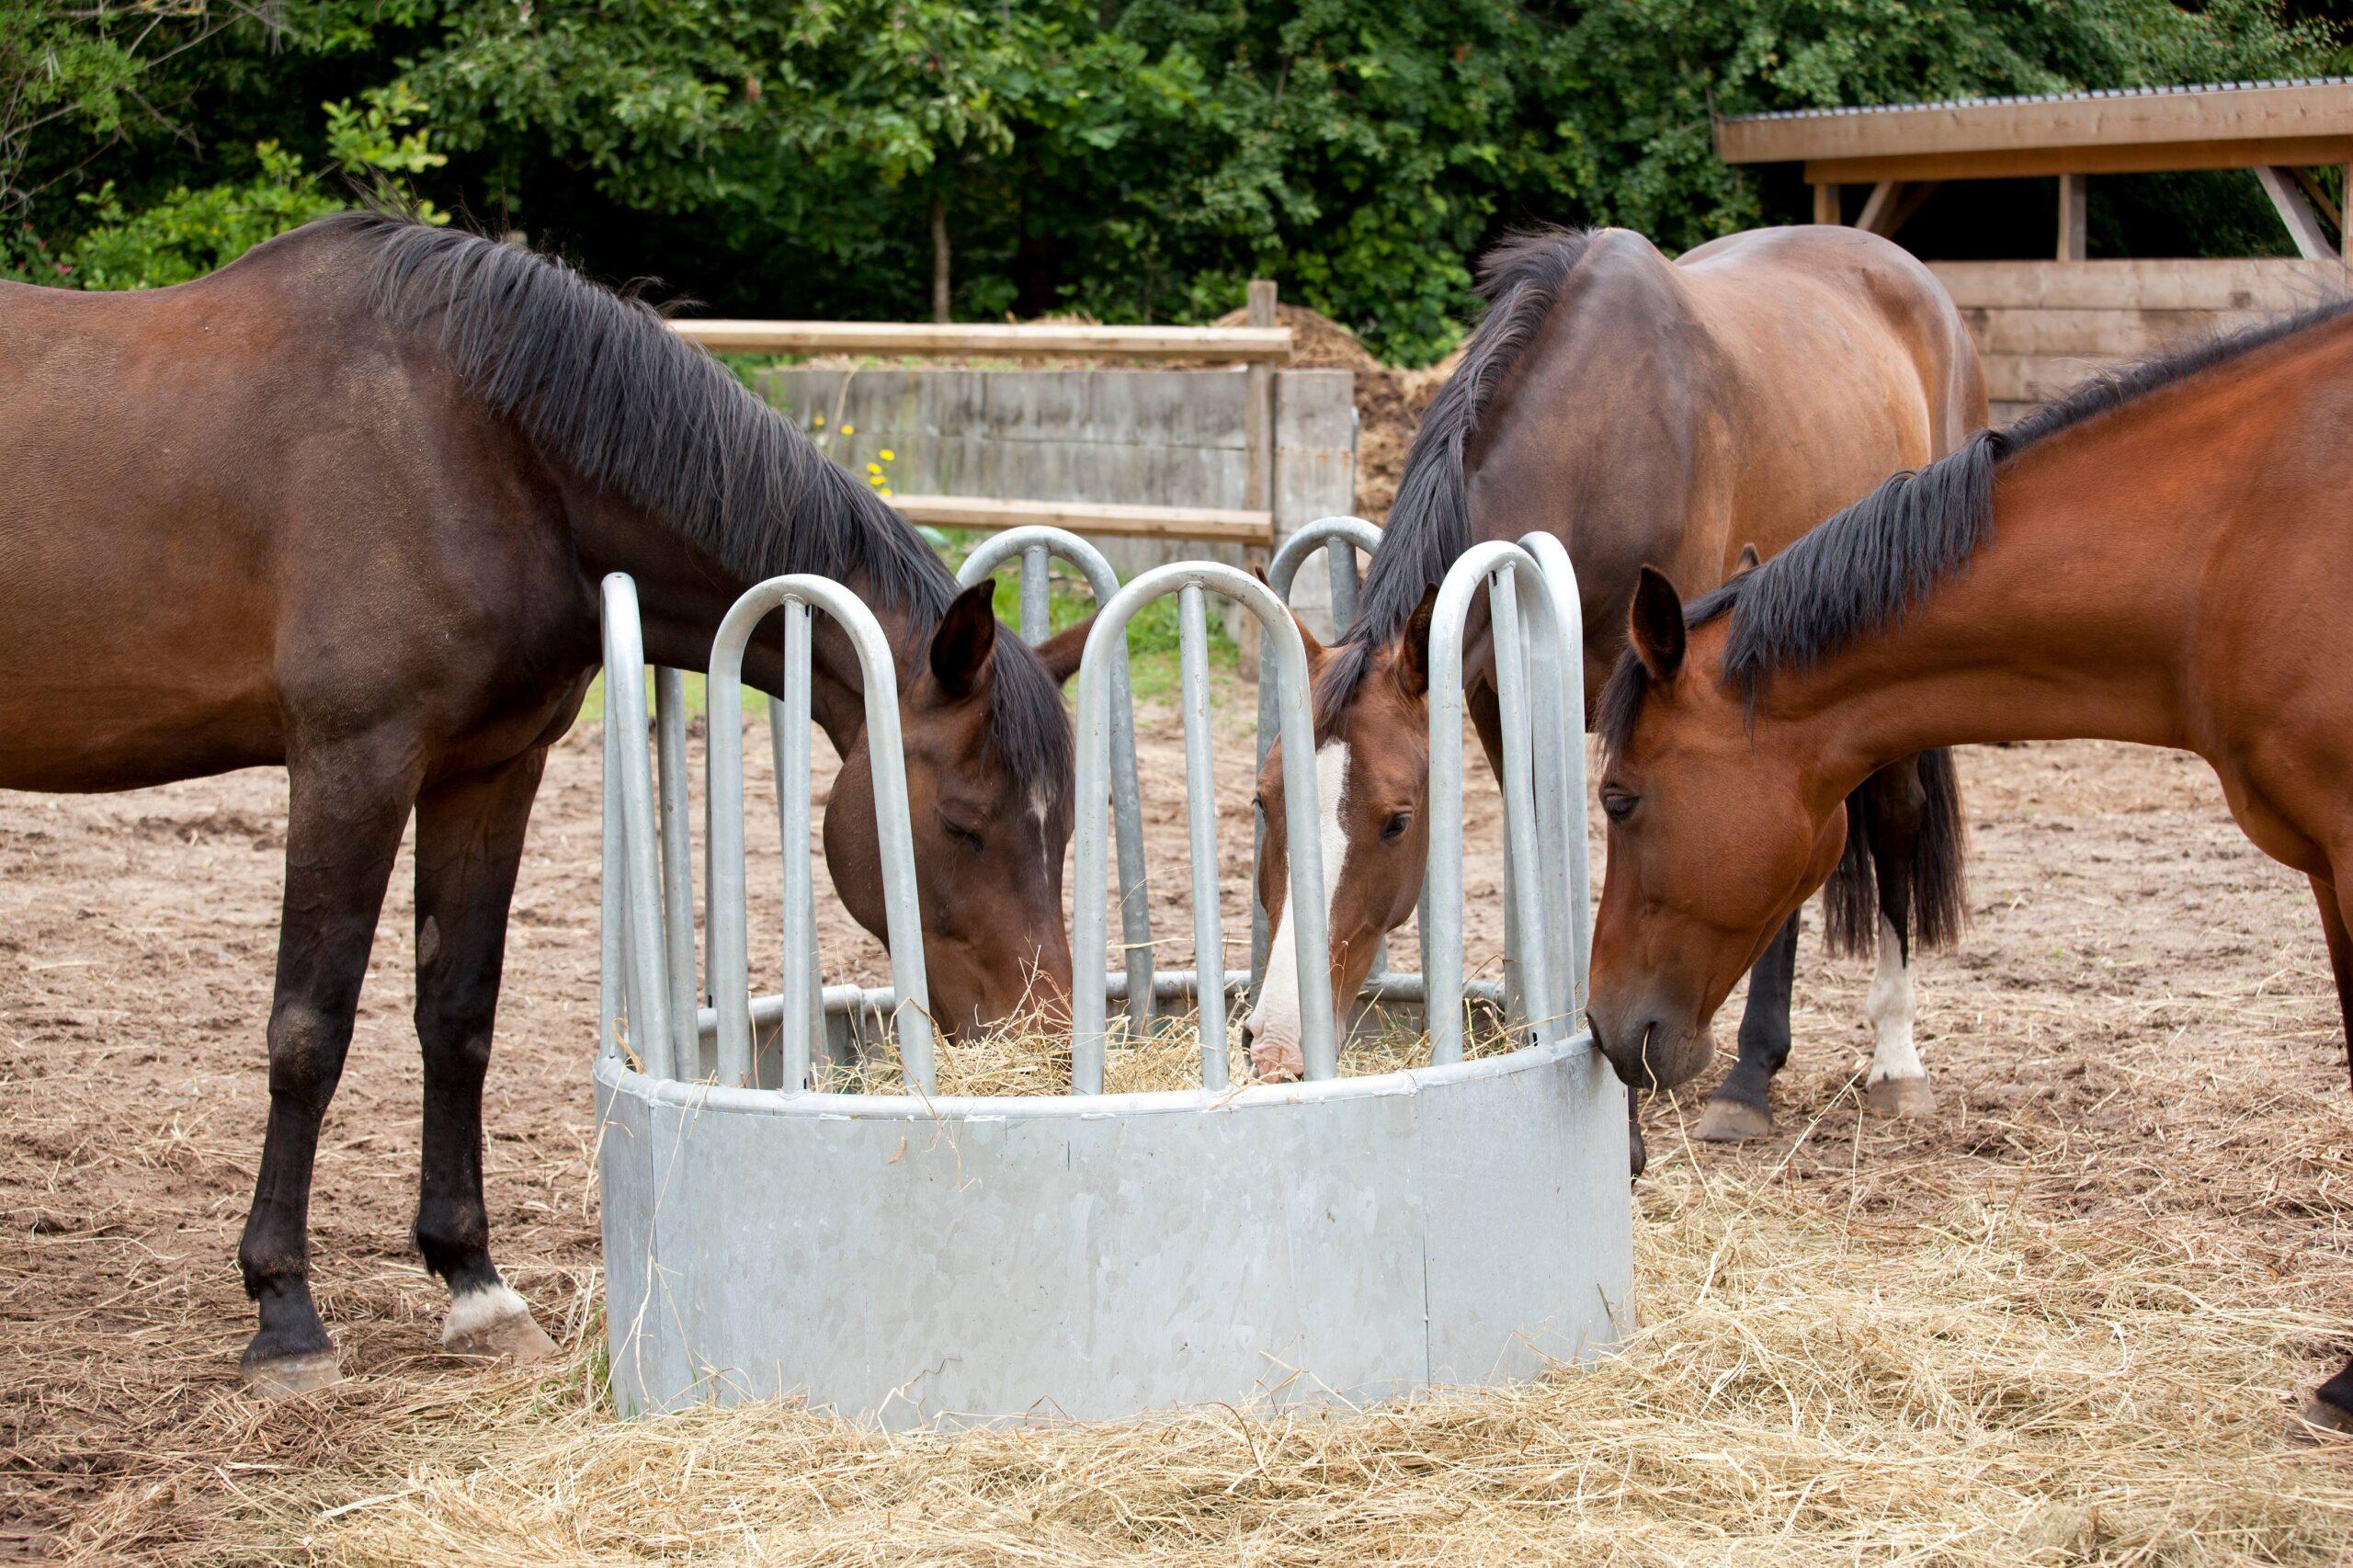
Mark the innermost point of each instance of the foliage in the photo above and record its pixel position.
(189, 233)
(1129, 159)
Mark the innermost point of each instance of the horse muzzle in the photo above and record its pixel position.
(1652, 1047)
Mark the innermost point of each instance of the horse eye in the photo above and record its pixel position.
(1395, 828)
(1616, 804)
(963, 835)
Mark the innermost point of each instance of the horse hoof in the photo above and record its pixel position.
(1899, 1098)
(2318, 1421)
(286, 1377)
(510, 1335)
(1729, 1121)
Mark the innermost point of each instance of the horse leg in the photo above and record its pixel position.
(1739, 1108)
(2330, 1406)
(1898, 1084)
(469, 843)
(347, 804)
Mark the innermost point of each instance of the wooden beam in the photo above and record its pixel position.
(2165, 283)
(2319, 197)
(1216, 524)
(2123, 158)
(2221, 115)
(2303, 224)
(962, 340)
(2114, 334)
(1825, 202)
(2074, 209)
(1891, 204)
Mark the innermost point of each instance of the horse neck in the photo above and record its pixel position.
(2079, 616)
(683, 594)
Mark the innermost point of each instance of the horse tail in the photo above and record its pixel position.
(1939, 856)
(1851, 899)
(1938, 867)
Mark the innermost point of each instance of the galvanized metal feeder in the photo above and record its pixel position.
(911, 1258)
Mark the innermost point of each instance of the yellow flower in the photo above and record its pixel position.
(886, 492)
(875, 468)
(850, 429)
(887, 454)
(817, 421)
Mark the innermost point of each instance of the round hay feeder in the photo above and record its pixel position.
(911, 1258)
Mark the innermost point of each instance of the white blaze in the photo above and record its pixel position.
(1274, 1023)
(1889, 1004)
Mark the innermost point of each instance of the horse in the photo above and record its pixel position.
(342, 507)
(2164, 557)
(1692, 414)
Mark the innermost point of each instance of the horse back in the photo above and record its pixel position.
(229, 508)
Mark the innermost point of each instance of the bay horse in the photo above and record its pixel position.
(1644, 410)
(2166, 557)
(344, 507)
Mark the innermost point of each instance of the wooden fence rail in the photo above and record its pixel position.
(1212, 344)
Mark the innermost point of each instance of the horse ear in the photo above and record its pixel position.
(1061, 652)
(962, 641)
(1655, 624)
(1750, 558)
(1412, 663)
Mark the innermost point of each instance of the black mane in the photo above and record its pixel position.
(599, 383)
(1429, 522)
(1869, 567)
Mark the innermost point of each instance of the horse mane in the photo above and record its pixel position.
(599, 383)
(1872, 565)
(1429, 522)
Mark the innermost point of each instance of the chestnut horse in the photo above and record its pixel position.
(2166, 558)
(1645, 411)
(344, 507)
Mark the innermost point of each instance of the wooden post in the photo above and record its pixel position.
(1826, 203)
(940, 292)
(1258, 413)
(2072, 213)
(2344, 218)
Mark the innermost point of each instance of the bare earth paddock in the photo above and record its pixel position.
(2058, 1321)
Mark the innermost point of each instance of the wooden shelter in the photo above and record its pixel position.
(2042, 325)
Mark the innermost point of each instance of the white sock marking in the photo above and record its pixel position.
(1889, 1004)
(1274, 1024)
(470, 1312)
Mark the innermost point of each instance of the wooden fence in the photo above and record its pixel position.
(1256, 349)
(2043, 326)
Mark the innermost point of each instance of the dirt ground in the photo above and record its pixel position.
(2139, 1025)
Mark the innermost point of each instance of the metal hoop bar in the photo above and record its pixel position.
(1200, 825)
(800, 980)
(1287, 669)
(1481, 564)
(788, 748)
(1034, 611)
(648, 999)
(1525, 883)
(1127, 793)
(730, 985)
(678, 865)
(612, 899)
(1341, 538)
(1567, 659)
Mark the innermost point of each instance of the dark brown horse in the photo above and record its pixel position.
(344, 507)
(2166, 558)
(1644, 410)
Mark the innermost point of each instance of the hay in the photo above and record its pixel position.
(1974, 1385)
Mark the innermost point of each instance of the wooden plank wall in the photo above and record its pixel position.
(2043, 326)
(1150, 437)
